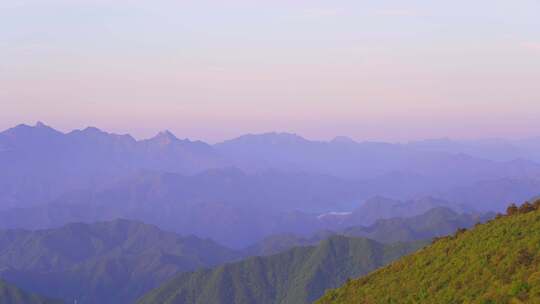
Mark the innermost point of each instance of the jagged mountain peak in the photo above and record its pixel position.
(165, 137)
(97, 133)
(39, 129)
(40, 124)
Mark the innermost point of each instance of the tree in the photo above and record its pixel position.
(512, 209)
(460, 231)
(526, 208)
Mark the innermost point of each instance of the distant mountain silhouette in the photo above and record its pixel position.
(493, 149)
(344, 140)
(272, 183)
(494, 194)
(366, 160)
(40, 163)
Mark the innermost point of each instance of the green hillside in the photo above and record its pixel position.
(10, 294)
(299, 275)
(108, 262)
(496, 262)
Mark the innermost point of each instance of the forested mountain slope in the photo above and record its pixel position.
(299, 275)
(107, 262)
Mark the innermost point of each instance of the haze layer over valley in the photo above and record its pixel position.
(248, 188)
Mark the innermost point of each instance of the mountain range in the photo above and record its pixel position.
(496, 149)
(41, 163)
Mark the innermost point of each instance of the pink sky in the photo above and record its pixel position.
(210, 70)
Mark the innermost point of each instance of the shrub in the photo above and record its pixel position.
(524, 257)
(512, 209)
(526, 208)
(460, 231)
(519, 288)
(536, 204)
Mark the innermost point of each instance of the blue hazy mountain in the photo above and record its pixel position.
(105, 262)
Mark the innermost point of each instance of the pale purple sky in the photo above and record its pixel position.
(386, 70)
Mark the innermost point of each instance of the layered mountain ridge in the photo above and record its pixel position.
(105, 262)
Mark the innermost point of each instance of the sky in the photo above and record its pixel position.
(212, 70)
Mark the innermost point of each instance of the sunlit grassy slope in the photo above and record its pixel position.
(496, 262)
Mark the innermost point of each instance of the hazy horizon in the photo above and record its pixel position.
(386, 71)
(182, 135)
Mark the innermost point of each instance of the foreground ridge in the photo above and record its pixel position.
(299, 275)
(495, 262)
